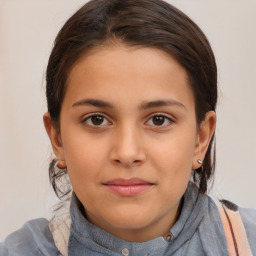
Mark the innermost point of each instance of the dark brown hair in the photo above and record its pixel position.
(146, 23)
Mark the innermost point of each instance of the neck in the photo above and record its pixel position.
(133, 233)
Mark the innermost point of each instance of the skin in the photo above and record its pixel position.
(127, 141)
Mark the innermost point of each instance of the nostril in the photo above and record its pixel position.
(127, 163)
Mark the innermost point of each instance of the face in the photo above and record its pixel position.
(129, 137)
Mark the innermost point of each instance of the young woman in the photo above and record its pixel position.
(131, 92)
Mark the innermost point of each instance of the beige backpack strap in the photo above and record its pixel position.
(60, 228)
(236, 237)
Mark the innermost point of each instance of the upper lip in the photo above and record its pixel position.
(127, 182)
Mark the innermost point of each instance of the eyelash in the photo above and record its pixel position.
(90, 116)
(166, 118)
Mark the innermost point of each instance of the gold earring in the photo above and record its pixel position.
(61, 165)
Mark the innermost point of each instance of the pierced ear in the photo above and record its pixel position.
(206, 131)
(54, 136)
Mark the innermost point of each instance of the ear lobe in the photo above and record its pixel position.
(54, 136)
(207, 128)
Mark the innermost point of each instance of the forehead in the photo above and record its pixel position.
(130, 73)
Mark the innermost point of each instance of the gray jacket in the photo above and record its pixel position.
(197, 232)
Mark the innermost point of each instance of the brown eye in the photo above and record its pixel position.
(159, 120)
(96, 120)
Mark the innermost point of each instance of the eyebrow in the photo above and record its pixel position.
(161, 103)
(93, 102)
(143, 106)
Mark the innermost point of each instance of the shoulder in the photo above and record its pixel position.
(34, 238)
(248, 216)
(213, 220)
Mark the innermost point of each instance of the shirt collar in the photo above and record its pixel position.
(88, 235)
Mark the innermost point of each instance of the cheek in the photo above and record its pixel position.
(174, 166)
(85, 157)
(175, 151)
(85, 166)
(173, 159)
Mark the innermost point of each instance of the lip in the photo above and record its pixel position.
(128, 187)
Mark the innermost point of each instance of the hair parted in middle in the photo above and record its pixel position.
(135, 23)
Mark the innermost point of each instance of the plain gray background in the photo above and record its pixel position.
(27, 31)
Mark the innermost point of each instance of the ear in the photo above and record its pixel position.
(54, 137)
(205, 133)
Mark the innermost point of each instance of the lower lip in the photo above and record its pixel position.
(129, 190)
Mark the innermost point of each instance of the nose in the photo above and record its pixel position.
(128, 147)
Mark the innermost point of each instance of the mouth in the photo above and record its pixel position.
(128, 187)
